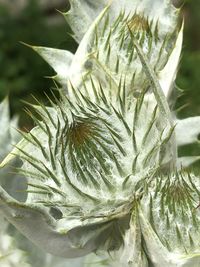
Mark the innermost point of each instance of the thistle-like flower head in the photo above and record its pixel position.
(93, 153)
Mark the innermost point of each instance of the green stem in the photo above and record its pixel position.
(158, 93)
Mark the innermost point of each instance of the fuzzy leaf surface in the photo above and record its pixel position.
(169, 219)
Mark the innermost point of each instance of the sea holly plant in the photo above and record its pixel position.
(101, 163)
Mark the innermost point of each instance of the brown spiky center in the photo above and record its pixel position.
(138, 23)
(80, 132)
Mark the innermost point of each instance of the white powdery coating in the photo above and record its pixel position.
(167, 230)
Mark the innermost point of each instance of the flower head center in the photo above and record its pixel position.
(138, 23)
(80, 132)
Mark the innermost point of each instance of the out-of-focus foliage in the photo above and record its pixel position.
(22, 71)
(189, 75)
(189, 78)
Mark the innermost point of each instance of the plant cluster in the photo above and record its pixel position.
(101, 165)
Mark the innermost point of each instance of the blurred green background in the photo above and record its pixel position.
(189, 74)
(22, 70)
(37, 22)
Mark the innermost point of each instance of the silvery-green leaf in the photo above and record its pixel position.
(187, 130)
(15, 136)
(8, 138)
(97, 260)
(42, 229)
(37, 257)
(13, 153)
(59, 60)
(8, 133)
(184, 162)
(168, 74)
(5, 137)
(169, 219)
(130, 254)
(5, 114)
(82, 14)
(52, 261)
(10, 255)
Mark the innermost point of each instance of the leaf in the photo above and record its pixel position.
(5, 114)
(184, 162)
(52, 261)
(8, 133)
(42, 229)
(5, 138)
(60, 60)
(187, 131)
(12, 154)
(155, 249)
(97, 260)
(130, 254)
(82, 14)
(9, 136)
(168, 74)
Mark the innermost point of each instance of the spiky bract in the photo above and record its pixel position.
(107, 51)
